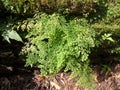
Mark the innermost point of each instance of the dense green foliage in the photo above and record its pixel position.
(64, 41)
(57, 44)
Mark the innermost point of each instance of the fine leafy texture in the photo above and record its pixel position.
(55, 42)
(58, 44)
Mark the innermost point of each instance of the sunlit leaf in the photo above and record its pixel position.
(14, 35)
(11, 34)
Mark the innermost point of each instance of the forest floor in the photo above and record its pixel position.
(14, 76)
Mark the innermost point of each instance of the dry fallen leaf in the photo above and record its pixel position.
(55, 85)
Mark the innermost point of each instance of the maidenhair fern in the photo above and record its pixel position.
(58, 44)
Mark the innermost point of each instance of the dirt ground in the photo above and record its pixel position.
(31, 81)
(14, 76)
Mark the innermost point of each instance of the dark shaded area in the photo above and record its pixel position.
(102, 55)
(99, 12)
(10, 61)
(2, 9)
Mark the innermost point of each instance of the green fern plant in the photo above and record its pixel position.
(58, 44)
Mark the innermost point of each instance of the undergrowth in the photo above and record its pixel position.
(59, 45)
